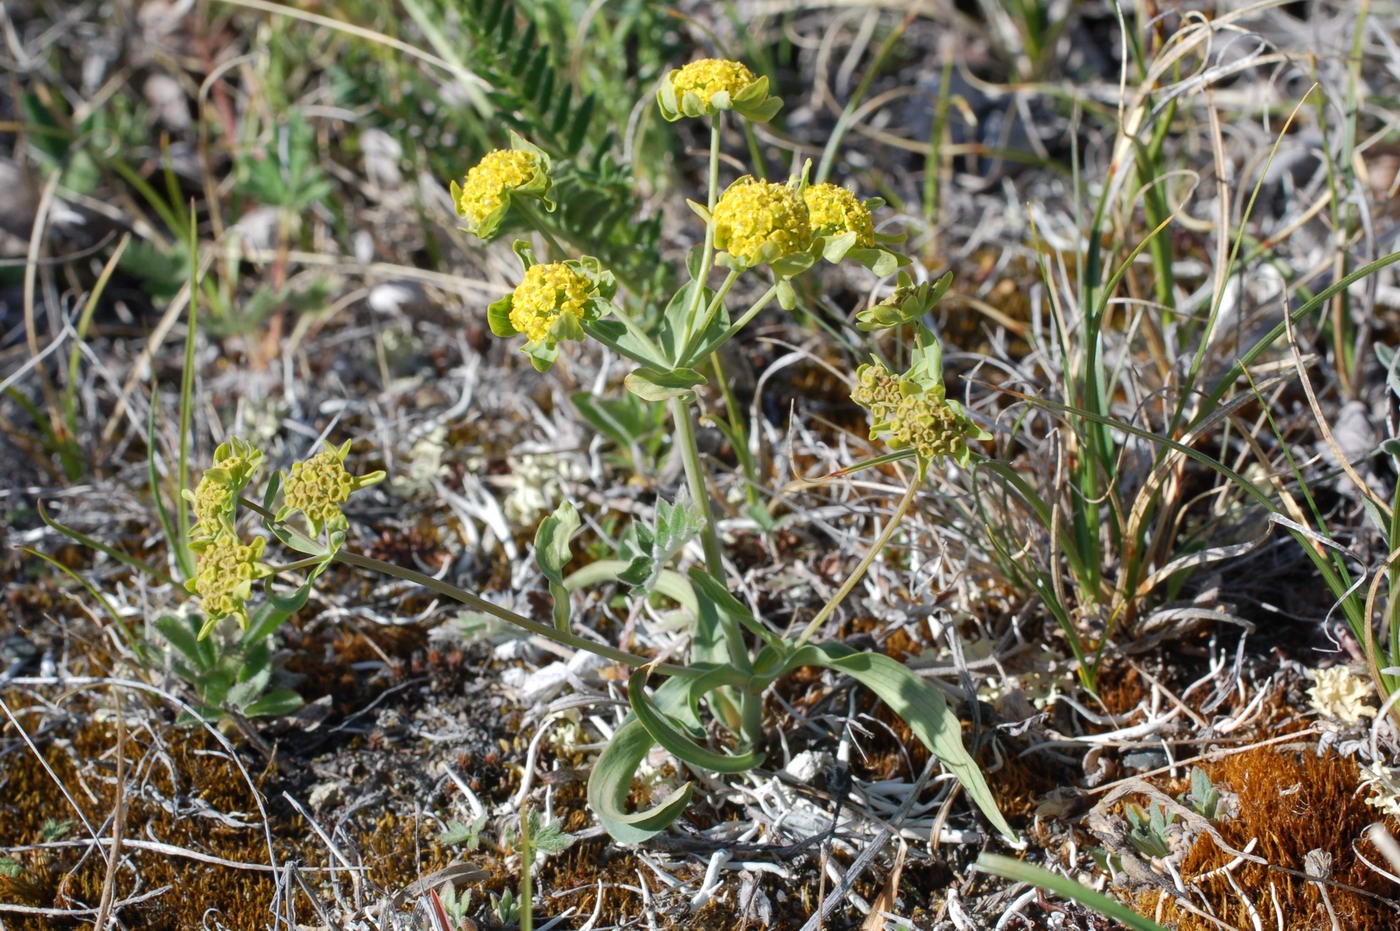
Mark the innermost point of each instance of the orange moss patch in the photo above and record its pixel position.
(1290, 803)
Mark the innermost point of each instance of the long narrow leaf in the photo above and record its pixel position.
(1064, 886)
(920, 705)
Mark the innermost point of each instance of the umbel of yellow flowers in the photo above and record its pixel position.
(495, 183)
(834, 210)
(550, 296)
(711, 85)
(552, 303)
(760, 221)
(225, 569)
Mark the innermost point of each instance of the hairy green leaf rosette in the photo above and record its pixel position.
(318, 486)
(759, 222)
(710, 85)
(844, 225)
(912, 411)
(493, 184)
(552, 303)
(907, 303)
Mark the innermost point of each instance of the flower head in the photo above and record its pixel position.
(905, 304)
(318, 486)
(835, 211)
(759, 221)
(225, 569)
(546, 294)
(912, 410)
(709, 76)
(485, 194)
(215, 498)
(877, 390)
(553, 302)
(707, 86)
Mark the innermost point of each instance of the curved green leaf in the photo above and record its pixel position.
(611, 782)
(919, 704)
(1064, 886)
(651, 384)
(665, 733)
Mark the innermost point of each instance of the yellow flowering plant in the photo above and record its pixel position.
(770, 231)
(223, 647)
(774, 232)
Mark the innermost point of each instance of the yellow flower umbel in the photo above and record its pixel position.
(225, 569)
(490, 185)
(554, 301)
(710, 76)
(547, 294)
(912, 411)
(759, 221)
(318, 486)
(835, 211)
(710, 85)
(215, 498)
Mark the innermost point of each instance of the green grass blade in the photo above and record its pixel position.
(1063, 886)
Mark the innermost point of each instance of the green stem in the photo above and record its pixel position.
(543, 227)
(694, 331)
(856, 574)
(749, 314)
(182, 515)
(519, 620)
(738, 430)
(485, 607)
(695, 477)
(707, 257)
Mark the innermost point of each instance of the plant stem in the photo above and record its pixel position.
(862, 566)
(707, 257)
(519, 620)
(749, 314)
(695, 477)
(544, 228)
(485, 607)
(695, 330)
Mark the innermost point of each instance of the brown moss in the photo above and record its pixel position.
(1289, 803)
(1121, 687)
(81, 751)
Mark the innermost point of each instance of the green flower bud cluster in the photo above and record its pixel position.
(913, 411)
(215, 499)
(318, 486)
(225, 569)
